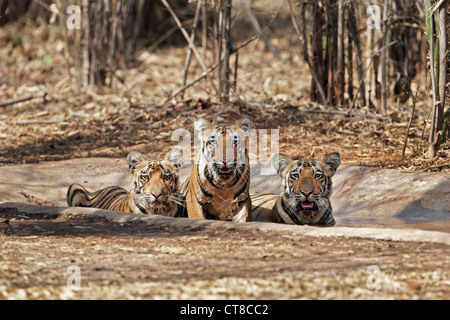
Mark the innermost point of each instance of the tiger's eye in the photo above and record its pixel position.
(294, 175)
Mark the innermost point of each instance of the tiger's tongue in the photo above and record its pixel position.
(224, 170)
(307, 205)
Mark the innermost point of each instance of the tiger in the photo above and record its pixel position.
(155, 187)
(305, 196)
(218, 186)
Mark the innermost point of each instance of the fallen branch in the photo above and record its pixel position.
(16, 100)
(437, 167)
(345, 113)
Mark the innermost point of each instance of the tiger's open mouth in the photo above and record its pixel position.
(224, 170)
(306, 205)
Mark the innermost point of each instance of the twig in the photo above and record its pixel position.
(414, 99)
(345, 113)
(303, 39)
(436, 7)
(189, 53)
(85, 44)
(166, 35)
(35, 121)
(384, 30)
(224, 49)
(437, 167)
(186, 35)
(204, 74)
(259, 31)
(16, 100)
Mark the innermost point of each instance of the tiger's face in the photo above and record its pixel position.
(307, 185)
(224, 155)
(155, 183)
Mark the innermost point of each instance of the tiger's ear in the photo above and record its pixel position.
(174, 157)
(200, 125)
(246, 125)
(280, 162)
(134, 159)
(332, 161)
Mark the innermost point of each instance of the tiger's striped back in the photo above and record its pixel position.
(111, 198)
(154, 189)
(262, 205)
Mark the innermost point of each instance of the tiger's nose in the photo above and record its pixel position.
(306, 193)
(156, 195)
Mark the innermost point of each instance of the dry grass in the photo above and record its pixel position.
(62, 122)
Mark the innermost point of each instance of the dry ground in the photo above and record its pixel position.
(140, 261)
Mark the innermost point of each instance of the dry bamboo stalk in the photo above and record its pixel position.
(432, 138)
(186, 35)
(414, 99)
(226, 47)
(136, 28)
(354, 34)
(189, 53)
(442, 64)
(350, 65)
(384, 57)
(85, 44)
(219, 49)
(204, 30)
(317, 59)
(113, 40)
(306, 56)
(340, 73)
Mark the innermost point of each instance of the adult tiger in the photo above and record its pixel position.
(154, 189)
(306, 191)
(218, 187)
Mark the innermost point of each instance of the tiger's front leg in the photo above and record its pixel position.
(243, 202)
(245, 214)
(195, 206)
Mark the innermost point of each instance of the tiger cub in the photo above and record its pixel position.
(218, 187)
(305, 196)
(154, 189)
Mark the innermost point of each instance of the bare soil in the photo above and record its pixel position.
(139, 261)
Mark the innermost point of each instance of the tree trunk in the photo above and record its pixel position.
(340, 66)
(384, 57)
(442, 64)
